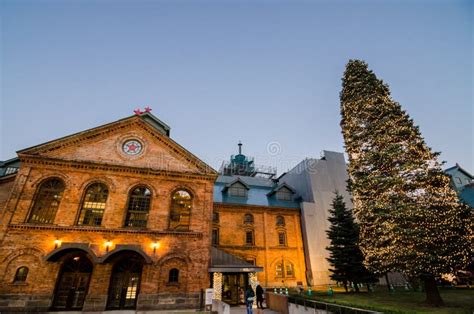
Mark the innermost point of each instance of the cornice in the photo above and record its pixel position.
(104, 230)
(27, 159)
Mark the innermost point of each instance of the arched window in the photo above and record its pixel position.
(138, 207)
(284, 269)
(248, 219)
(21, 274)
(47, 200)
(93, 205)
(173, 276)
(280, 221)
(180, 212)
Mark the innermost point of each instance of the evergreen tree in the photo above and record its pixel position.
(410, 219)
(345, 256)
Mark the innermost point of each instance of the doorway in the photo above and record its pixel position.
(233, 288)
(125, 282)
(73, 282)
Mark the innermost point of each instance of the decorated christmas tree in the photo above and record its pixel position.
(345, 256)
(410, 219)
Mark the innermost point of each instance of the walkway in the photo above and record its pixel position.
(243, 310)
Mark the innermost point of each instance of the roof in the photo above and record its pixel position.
(259, 192)
(460, 169)
(227, 263)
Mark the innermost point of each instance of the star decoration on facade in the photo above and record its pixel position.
(138, 112)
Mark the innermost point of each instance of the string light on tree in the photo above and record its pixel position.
(410, 219)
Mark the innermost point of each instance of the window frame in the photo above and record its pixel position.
(280, 221)
(215, 240)
(128, 211)
(252, 233)
(21, 278)
(250, 221)
(284, 194)
(172, 212)
(280, 234)
(173, 276)
(84, 199)
(238, 190)
(36, 205)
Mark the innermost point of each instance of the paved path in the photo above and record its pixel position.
(243, 310)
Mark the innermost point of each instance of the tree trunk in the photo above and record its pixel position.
(388, 282)
(356, 286)
(432, 294)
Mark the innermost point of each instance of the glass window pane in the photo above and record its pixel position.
(47, 200)
(180, 212)
(138, 207)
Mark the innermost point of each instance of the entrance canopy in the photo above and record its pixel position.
(223, 262)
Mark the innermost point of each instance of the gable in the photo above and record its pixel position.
(131, 142)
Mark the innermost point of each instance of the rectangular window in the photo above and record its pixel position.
(215, 237)
(249, 238)
(282, 238)
(251, 261)
(458, 180)
(11, 170)
(284, 195)
(238, 191)
(215, 217)
(289, 270)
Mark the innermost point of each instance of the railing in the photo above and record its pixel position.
(329, 307)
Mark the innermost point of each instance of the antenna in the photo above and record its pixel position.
(240, 148)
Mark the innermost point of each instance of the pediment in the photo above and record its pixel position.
(132, 142)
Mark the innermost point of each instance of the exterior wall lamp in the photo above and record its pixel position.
(154, 246)
(108, 245)
(57, 243)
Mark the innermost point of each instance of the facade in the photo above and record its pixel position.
(114, 217)
(257, 218)
(316, 180)
(122, 217)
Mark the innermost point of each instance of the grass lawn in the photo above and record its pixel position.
(456, 301)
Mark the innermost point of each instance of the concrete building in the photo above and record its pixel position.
(316, 180)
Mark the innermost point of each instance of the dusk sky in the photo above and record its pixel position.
(217, 72)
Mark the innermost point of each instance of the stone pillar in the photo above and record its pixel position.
(217, 284)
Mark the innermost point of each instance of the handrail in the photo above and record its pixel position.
(330, 307)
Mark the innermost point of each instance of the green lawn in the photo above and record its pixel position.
(456, 301)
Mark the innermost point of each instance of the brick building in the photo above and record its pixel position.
(114, 217)
(257, 219)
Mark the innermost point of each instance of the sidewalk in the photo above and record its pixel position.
(243, 310)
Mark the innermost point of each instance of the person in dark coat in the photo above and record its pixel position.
(249, 296)
(259, 292)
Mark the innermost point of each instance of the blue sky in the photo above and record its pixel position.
(222, 71)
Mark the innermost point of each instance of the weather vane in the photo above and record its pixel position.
(139, 112)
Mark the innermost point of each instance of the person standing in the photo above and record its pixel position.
(259, 292)
(249, 297)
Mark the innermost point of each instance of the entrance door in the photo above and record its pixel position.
(233, 288)
(125, 283)
(73, 282)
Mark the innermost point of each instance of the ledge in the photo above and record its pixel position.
(187, 234)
